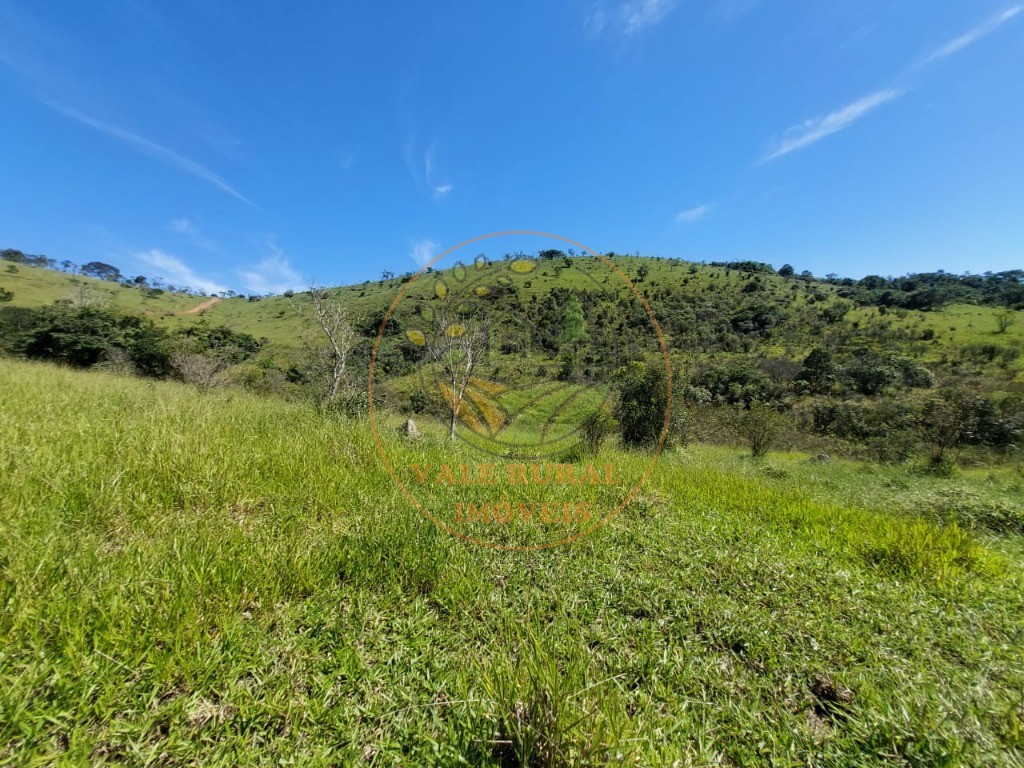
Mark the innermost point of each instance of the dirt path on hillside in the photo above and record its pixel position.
(202, 306)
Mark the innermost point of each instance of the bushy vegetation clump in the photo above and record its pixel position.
(88, 335)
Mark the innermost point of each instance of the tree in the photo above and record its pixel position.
(759, 425)
(643, 403)
(338, 329)
(642, 272)
(1004, 319)
(949, 421)
(734, 383)
(786, 270)
(102, 271)
(457, 347)
(77, 337)
(233, 346)
(818, 371)
(6, 295)
(871, 373)
(12, 254)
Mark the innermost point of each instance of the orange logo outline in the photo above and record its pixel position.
(664, 430)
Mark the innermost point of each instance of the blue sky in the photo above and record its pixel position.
(257, 145)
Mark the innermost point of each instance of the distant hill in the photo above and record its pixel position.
(845, 362)
(744, 307)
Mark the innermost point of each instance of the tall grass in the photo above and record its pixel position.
(230, 580)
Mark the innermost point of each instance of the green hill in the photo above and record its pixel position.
(668, 284)
(736, 334)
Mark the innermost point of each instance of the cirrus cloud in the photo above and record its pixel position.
(423, 251)
(628, 18)
(176, 272)
(816, 129)
(271, 275)
(691, 215)
(973, 35)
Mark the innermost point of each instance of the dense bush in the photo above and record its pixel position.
(732, 384)
(227, 345)
(931, 290)
(597, 427)
(643, 402)
(883, 425)
(85, 336)
(954, 418)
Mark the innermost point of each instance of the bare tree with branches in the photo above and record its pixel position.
(85, 294)
(204, 371)
(339, 330)
(457, 346)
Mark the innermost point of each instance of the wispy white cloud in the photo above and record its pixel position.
(423, 251)
(190, 230)
(732, 9)
(176, 272)
(424, 169)
(972, 36)
(816, 129)
(595, 20)
(638, 15)
(151, 148)
(438, 187)
(627, 18)
(274, 274)
(691, 215)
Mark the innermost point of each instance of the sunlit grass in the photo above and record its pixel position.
(230, 580)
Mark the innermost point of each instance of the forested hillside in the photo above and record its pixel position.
(888, 368)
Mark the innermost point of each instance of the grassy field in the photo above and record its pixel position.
(231, 580)
(37, 286)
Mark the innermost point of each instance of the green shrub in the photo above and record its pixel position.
(85, 336)
(759, 426)
(734, 383)
(597, 427)
(643, 401)
(351, 402)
